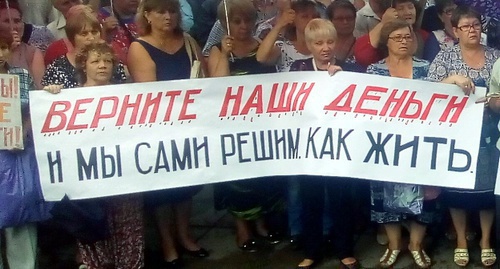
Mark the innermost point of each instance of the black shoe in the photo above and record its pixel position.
(296, 242)
(200, 253)
(249, 246)
(273, 238)
(175, 264)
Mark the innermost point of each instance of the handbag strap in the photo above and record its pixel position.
(190, 48)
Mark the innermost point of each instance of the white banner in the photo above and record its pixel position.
(102, 141)
(11, 123)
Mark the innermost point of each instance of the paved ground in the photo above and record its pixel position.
(215, 232)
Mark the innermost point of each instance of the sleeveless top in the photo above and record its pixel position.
(169, 66)
(248, 65)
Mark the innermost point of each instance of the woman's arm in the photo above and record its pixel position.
(140, 65)
(268, 53)
(218, 60)
(364, 52)
(38, 68)
(494, 102)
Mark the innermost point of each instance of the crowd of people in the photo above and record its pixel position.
(61, 44)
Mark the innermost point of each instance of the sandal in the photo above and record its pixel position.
(461, 257)
(422, 260)
(488, 257)
(389, 258)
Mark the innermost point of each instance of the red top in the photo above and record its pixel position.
(366, 54)
(55, 50)
(122, 36)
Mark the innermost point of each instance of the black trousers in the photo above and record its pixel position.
(312, 191)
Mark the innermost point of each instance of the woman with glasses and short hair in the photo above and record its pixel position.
(397, 39)
(469, 64)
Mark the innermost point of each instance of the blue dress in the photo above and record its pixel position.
(377, 212)
(450, 62)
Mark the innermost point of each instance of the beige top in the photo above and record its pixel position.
(57, 27)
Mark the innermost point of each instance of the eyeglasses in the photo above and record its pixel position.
(449, 11)
(399, 38)
(466, 28)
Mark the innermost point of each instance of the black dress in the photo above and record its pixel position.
(248, 199)
(169, 67)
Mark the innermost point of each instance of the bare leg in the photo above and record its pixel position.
(486, 218)
(260, 226)
(459, 218)
(243, 233)
(393, 231)
(163, 217)
(417, 234)
(182, 213)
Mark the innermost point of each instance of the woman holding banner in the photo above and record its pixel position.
(471, 63)
(397, 38)
(283, 45)
(21, 201)
(161, 53)
(125, 246)
(320, 37)
(247, 200)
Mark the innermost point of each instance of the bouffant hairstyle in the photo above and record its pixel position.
(83, 56)
(161, 6)
(318, 28)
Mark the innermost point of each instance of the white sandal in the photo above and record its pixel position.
(389, 258)
(461, 257)
(421, 258)
(488, 257)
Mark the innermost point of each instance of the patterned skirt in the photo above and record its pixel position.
(124, 249)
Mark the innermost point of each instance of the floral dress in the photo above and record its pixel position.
(377, 213)
(62, 72)
(450, 62)
(289, 54)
